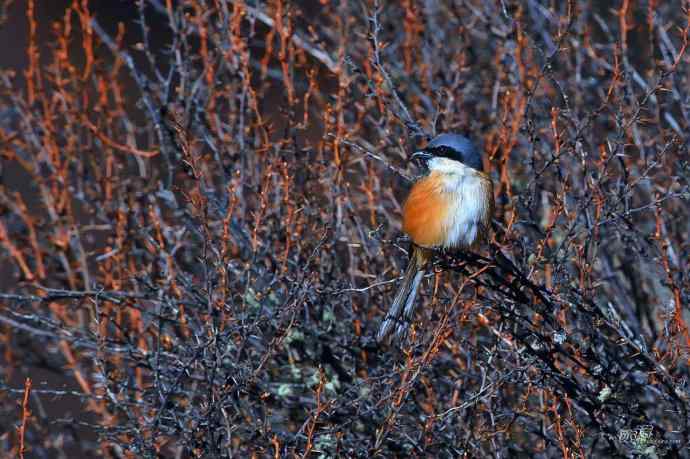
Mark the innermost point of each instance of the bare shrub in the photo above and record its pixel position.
(203, 237)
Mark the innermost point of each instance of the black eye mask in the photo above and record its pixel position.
(442, 151)
(445, 152)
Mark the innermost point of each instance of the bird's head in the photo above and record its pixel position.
(449, 150)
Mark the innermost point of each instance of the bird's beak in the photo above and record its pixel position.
(421, 156)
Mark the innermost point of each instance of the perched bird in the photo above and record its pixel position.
(450, 207)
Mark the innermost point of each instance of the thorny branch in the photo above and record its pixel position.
(200, 230)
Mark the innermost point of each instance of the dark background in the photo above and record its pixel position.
(219, 298)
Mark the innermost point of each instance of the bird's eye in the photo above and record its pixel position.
(446, 152)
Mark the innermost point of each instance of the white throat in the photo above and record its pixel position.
(463, 186)
(449, 166)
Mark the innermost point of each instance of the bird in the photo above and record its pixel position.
(448, 208)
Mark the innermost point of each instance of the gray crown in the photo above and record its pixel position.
(456, 147)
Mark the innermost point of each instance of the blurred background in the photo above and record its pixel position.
(200, 229)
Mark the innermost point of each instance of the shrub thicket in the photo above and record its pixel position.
(202, 237)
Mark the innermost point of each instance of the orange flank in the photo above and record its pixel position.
(425, 212)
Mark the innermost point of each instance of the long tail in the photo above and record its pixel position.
(400, 314)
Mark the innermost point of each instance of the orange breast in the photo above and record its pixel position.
(425, 212)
